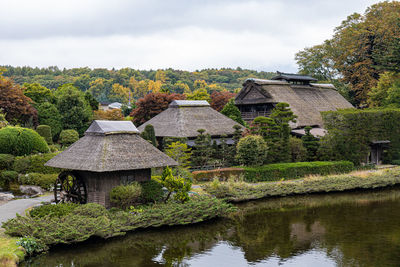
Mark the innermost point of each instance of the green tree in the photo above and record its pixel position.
(75, 111)
(180, 152)
(199, 94)
(179, 185)
(311, 144)
(362, 47)
(39, 94)
(149, 134)
(202, 150)
(94, 104)
(231, 111)
(48, 114)
(297, 151)
(251, 150)
(386, 93)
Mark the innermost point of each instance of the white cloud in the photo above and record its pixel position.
(153, 34)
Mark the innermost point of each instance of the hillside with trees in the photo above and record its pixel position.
(117, 85)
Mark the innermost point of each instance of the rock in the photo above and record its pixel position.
(6, 196)
(31, 190)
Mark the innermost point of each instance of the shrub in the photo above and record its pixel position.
(151, 191)
(251, 150)
(31, 245)
(124, 196)
(34, 163)
(45, 132)
(68, 137)
(57, 210)
(297, 151)
(8, 177)
(222, 174)
(54, 148)
(21, 141)
(45, 181)
(279, 171)
(6, 161)
(179, 185)
(396, 162)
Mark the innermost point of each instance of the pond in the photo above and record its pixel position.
(340, 229)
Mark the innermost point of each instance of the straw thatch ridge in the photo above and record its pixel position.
(184, 121)
(111, 146)
(306, 101)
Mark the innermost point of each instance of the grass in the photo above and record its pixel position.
(236, 191)
(10, 253)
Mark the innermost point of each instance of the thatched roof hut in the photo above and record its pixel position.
(111, 146)
(306, 99)
(111, 153)
(184, 117)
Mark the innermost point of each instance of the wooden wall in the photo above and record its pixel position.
(99, 184)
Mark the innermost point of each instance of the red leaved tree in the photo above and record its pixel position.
(219, 99)
(15, 104)
(151, 105)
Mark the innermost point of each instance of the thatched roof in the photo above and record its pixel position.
(293, 77)
(184, 117)
(306, 101)
(111, 146)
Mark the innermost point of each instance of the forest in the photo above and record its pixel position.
(116, 85)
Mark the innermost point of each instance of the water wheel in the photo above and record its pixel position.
(69, 187)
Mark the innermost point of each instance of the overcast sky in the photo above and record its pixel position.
(153, 34)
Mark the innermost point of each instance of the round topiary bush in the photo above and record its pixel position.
(6, 161)
(251, 150)
(68, 137)
(20, 141)
(45, 132)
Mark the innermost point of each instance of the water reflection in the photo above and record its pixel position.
(348, 229)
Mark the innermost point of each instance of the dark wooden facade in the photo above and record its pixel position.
(99, 184)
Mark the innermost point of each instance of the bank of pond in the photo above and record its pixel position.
(346, 229)
(50, 226)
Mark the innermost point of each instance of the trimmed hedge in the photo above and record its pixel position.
(222, 174)
(6, 161)
(20, 141)
(285, 171)
(35, 163)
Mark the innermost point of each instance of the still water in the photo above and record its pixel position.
(342, 229)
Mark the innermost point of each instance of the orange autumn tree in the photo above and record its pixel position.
(219, 99)
(15, 104)
(151, 105)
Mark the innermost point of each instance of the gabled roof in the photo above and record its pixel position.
(184, 118)
(306, 101)
(111, 127)
(293, 77)
(111, 146)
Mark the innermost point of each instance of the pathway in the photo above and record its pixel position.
(8, 210)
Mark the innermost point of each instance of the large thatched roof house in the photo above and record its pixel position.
(184, 117)
(110, 153)
(306, 99)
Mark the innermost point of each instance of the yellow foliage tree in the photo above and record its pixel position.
(120, 93)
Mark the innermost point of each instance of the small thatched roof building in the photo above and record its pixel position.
(306, 99)
(110, 153)
(184, 117)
